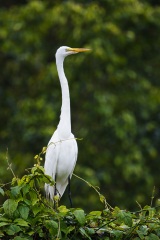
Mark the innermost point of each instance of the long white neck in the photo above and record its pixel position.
(64, 126)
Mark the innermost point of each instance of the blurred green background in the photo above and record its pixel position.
(115, 93)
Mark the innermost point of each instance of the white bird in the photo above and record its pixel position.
(62, 150)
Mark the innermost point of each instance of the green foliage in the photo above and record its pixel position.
(27, 214)
(115, 91)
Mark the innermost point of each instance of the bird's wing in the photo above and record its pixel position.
(75, 154)
(51, 159)
(68, 158)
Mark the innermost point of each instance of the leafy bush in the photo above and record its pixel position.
(115, 91)
(27, 214)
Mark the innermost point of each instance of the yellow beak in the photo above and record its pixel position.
(78, 49)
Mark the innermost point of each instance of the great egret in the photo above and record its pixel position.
(62, 150)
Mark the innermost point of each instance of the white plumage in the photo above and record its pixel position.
(60, 160)
(62, 150)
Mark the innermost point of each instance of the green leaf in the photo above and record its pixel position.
(21, 222)
(25, 189)
(147, 207)
(27, 202)
(95, 213)
(24, 211)
(116, 211)
(143, 231)
(15, 191)
(34, 197)
(140, 234)
(125, 217)
(41, 169)
(1, 191)
(3, 224)
(12, 229)
(90, 231)
(118, 234)
(10, 206)
(48, 179)
(152, 212)
(63, 209)
(20, 238)
(102, 198)
(83, 232)
(4, 219)
(80, 216)
(69, 229)
(52, 226)
(36, 209)
(152, 236)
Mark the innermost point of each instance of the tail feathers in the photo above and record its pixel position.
(50, 192)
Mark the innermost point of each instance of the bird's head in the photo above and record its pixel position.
(65, 51)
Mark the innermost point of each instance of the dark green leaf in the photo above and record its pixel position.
(95, 213)
(125, 217)
(36, 209)
(69, 229)
(90, 231)
(52, 226)
(3, 224)
(1, 191)
(84, 233)
(25, 189)
(20, 238)
(34, 197)
(21, 222)
(152, 236)
(118, 234)
(15, 191)
(12, 229)
(24, 211)
(80, 216)
(10, 206)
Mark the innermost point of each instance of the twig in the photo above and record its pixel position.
(100, 195)
(152, 197)
(9, 164)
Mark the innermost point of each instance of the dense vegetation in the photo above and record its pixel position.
(26, 214)
(115, 93)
